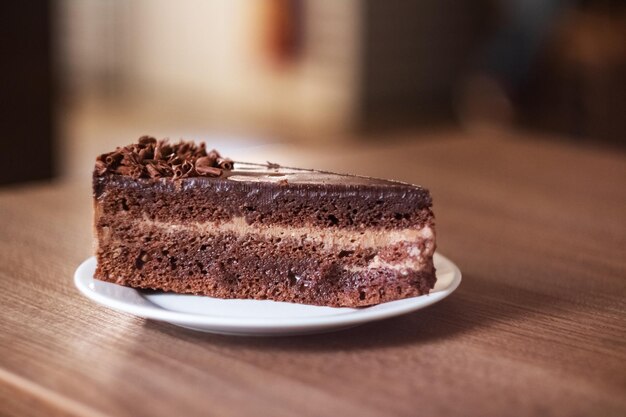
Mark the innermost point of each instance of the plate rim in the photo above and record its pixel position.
(82, 279)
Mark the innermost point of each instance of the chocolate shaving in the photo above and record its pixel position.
(147, 140)
(178, 171)
(153, 172)
(164, 169)
(209, 171)
(206, 166)
(101, 167)
(187, 168)
(225, 163)
(162, 150)
(147, 153)
(205, 161)
(113, 158)
(272, 165)
(137, 171)
(130, 159)
(214, 155)
(174, 160)
(151, 158)
(123, 170)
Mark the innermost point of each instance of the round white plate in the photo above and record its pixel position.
(253, 317)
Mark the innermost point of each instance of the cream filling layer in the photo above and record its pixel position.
(329, 238)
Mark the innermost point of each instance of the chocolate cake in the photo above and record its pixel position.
(176, 217)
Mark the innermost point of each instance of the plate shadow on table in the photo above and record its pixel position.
(479, 303)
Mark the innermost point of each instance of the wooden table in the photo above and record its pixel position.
(537, 328)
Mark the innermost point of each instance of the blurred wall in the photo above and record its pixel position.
(216, 55)
(321, 69)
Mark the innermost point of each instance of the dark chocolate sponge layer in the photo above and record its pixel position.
(230, 266)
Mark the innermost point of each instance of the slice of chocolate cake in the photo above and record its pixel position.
(175, 217)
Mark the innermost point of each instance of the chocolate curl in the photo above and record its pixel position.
(205, 166)
(177, 170)
(205, 161)
(187, 168)
(113, 158)
(272, 165)
(208, 160)
(162, 150)
(202, 149)
(225, 163)
(137, 171)
(130, 158)
(101, 167)
(145, 153)
(123, 170)
(183, 148)
(174, 160)
(214, 155)
(164, 168)
(209, 171)
(167, 149)
(147, 140)
(153, 172)
(182, 170)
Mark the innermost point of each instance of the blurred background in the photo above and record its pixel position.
(82, 77)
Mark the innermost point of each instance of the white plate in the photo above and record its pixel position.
(253, 317)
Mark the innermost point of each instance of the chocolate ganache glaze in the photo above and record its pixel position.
(187, 165)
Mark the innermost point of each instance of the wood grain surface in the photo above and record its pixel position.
(537, 328)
